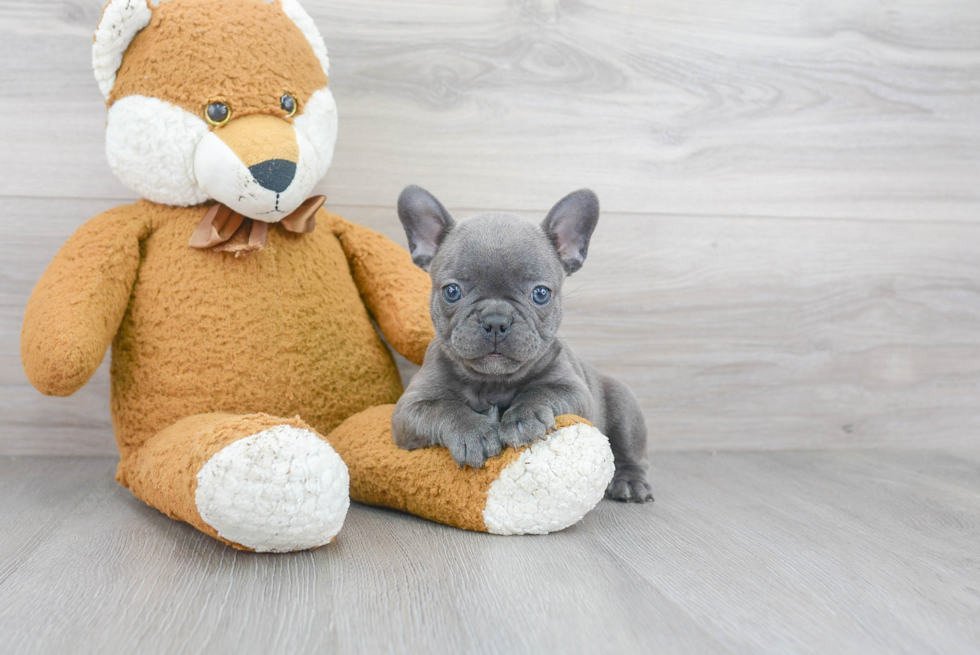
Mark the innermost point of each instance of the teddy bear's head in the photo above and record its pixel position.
(216, 99)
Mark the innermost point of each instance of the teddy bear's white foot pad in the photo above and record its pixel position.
(280, 490)
(552, 485)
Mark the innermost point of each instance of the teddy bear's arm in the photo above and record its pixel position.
(394, 290)
(77, 305)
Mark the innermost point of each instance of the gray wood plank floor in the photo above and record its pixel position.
(779, 552)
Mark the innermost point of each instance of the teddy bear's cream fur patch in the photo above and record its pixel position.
(280, 490)
(552, 485)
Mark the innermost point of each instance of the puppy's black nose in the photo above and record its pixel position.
(496, 325)
(274, 174)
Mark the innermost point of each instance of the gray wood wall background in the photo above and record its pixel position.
(789, 254)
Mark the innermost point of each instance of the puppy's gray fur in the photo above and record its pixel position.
(496, 374)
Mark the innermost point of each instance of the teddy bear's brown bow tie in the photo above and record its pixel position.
(225, 230)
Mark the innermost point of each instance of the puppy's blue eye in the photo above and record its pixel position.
(541, 295)
(452, 292)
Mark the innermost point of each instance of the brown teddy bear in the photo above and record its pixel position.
(240, 312)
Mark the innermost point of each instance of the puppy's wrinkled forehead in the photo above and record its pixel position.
(497, 249)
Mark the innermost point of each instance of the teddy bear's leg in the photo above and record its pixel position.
(542, 488)
(256, 482)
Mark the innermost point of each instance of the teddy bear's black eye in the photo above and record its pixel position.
(217, 113)
(452, 293)
(288, 104)
(541, 295)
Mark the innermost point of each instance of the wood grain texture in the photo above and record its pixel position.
(836, 109)
(733, 333)
(791, 552)
(866, 552)
(37, 495)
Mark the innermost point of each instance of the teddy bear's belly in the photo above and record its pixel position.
(281, 331)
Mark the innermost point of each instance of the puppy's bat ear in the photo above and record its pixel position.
(426, 223)
(569, 225)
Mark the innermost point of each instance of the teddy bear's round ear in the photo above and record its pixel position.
(121, 21)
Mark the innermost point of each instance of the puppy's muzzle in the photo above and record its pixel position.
(496, 326)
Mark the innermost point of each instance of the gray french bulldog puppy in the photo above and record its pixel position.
(496, 374)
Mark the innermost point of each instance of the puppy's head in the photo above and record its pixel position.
(496, 278)
(216, 99)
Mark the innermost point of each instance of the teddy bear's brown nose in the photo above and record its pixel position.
(274, 174)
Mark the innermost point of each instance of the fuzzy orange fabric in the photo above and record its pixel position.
(389, 290)
(195, 53)
(202, 340)
(283, 331)
(260, 137)
(76, 307)
(424, 482)
(163, 473)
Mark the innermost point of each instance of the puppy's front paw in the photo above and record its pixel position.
(476, 445)
(524, 424)
(630, 486)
